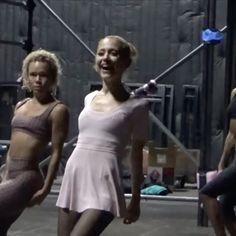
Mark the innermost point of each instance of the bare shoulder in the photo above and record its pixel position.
(18, 104)
(60, 111)
(140, 102)
(21, 102)
(89, 97)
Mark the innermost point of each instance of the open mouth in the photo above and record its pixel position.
(106, 68)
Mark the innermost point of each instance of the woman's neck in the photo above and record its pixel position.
(43, 99)
(117, 91)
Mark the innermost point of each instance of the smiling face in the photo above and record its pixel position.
(109, 62)
(40, 79)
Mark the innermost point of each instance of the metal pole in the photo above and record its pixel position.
(176, 65)
(207, 91)
(164, 129)
(46, 6)
(164, 198)
(28, 43)
(206, 102)
(230, 70)
(8, 42)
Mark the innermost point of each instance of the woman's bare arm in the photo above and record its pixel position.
(137, 166)
(228, 145)
(137, 179)
(60, 122)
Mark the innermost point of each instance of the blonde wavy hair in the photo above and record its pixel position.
(41, 55)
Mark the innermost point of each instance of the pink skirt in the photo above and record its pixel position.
(92, 181)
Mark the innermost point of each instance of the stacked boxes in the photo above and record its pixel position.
(162, 161)
(170, 162)
(184, 166)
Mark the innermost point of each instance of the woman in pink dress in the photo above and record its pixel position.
(92, 194)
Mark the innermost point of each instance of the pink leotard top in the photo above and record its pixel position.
(38, 126)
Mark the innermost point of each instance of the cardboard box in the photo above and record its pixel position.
(163, 160)
(173, 157)
(168, 176)
(162, 157)
(185, 166)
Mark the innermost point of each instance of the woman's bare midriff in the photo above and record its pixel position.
(25, 146)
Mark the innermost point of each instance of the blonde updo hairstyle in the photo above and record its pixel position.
(128, 51)
(41, 55)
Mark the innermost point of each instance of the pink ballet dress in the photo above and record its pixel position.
(92, 178)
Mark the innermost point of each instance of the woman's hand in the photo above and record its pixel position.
(220, 168)
(221, 165)
(38, 197)
(133, 211)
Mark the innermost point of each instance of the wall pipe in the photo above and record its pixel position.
(28, 43)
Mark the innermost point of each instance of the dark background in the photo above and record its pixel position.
(163, 31)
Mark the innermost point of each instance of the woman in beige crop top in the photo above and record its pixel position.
(36, 121)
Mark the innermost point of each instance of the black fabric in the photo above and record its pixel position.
(225, 182)
(224, 185)
(228, 201)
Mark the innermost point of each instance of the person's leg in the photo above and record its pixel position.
(231, 226)
(8, 211)
(228, 202)
(92, 223)
(14, 197)
(6, 222)
(223, 183)
(3, 230)
(214, 213)
(66, 221)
